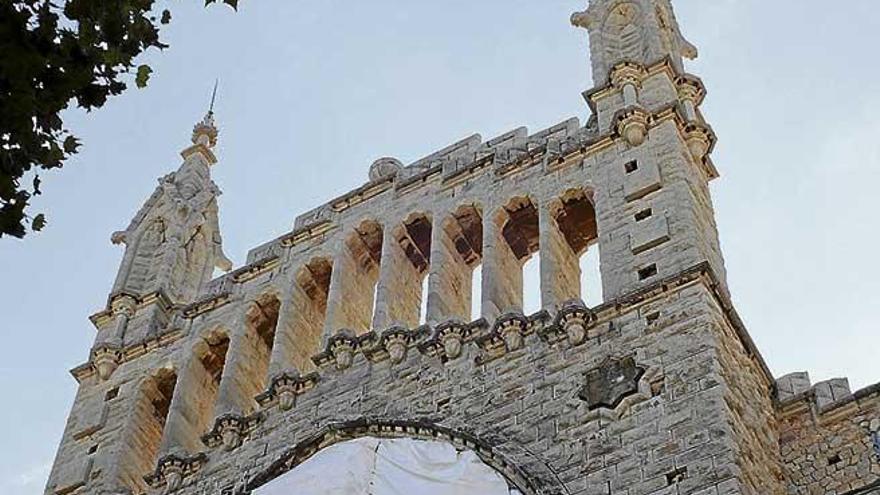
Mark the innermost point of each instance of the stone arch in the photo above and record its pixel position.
(571, 230)
(354, 279)
(513, 240)
(255, 349)
(207, 366)
(459, 248)
(523, 470)
(406, 259)
(307, 312)
(146, 426)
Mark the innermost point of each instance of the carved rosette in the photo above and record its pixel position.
(172, 469)
(105, 359)
(285, 387)
(339, 350)
(632, 125)
(230, 429)
(700, 139)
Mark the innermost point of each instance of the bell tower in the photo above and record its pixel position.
(172, 246)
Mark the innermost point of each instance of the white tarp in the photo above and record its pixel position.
(400, 466)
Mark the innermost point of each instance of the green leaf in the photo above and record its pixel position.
(143, 75)
(70, 144)
(38, 223)
(37, 182)
(166, 16)
(232, 3)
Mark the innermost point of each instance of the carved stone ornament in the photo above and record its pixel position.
(573, 318)
(106, 359)
(632, 125)
(607, 385)
(395, 341)
(285, 387)
(447, 340)
(230, 429)
(511, 327)
(343, 353)
(627, 73)
(171, 471)
(699, 139)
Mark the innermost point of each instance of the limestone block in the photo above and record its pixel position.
(648, 233)
(831, 391)
(792, 384)
(641, 178)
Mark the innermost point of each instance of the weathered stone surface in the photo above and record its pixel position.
(198, 386)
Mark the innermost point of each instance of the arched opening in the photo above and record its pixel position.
(354, 278)
(261, 321)
(145, 428)
(390, 466)
(308, 312)
(515, 243)
(406, 261)
(571, 237)
(197, 401)
(451, 289)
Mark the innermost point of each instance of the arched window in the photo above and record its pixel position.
(454, 288)
(353, 284)
(575, 252)
(256, 348)
(145, 428)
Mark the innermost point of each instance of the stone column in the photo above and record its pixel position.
(560, 269)
(284, 345)
(232, 396)
(350, 298)
(502, 281)
(399, 290)
(188, 416)
(449, 279)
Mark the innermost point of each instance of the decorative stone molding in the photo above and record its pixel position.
(105, 359)
(691, 93)
(172, 469)
(393, 344)
(627, 73)
(385, 168)
(571, 323)
(449, 338)
(123, 305)
(285, 387)
(339, 350)
(230, 430)
(700, 140)
(632, 125)
(507, 334)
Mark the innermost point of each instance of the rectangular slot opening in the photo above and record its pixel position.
(631, 167)
(648, 271)
(652, 318)
(676, 476)
(646, 213)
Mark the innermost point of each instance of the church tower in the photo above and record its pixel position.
(322, 366)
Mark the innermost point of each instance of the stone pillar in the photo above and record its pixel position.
(399, 290)
(560, 268)
(502, 282)
(189, 417)
(284, 345)
(232, 396)
(350, 298)
(449, 278)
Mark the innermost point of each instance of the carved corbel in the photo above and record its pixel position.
(105, 359)
(172, 469)
(700, 140)
(339, 350)
(691, 93)
(507, 334)
(285, 387)
(230, 429)
(632, 125)
(571, 323)
(627, 77)
(393, 344)
(448, 340)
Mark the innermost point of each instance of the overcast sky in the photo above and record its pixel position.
(312, 92)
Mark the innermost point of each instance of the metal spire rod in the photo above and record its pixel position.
(213, 96)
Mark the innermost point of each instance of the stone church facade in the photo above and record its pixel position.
(198, 385)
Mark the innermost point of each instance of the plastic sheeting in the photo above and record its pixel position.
(400, 466)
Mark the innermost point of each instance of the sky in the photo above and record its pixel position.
(312, 92)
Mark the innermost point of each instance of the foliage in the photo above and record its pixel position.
(54, 54)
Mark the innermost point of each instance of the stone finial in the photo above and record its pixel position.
(205, 132)
(384, 168)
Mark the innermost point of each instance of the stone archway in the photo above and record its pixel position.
(473, 452)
